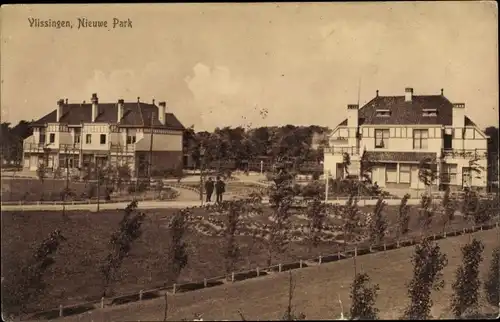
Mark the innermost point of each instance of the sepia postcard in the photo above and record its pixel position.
(250, 161)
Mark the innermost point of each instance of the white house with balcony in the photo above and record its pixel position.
(396, 132)
(136, 134)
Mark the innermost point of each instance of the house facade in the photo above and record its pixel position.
(396, 132)
(76, 136)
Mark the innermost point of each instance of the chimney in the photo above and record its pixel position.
(59, 113)
(66, 101)
(352, 115)
(442, 92)
(121, 107)
(408, 94)
(458, 120)
(95, 106)
(162, 106)
(377, 92)
(153, 101)
(138, 99)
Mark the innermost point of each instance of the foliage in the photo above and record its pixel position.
(378, 224)
(233, 210)
(159, 187)
(26, 285)
(351, 216)
(346, 163)
(316, 213)
(465, 298)
(281, 195)
(470, 204)
(289, 314)
(447, 208)
(428, 263)
(12, 141)
(427, 171)
(177, 252)
(492, 279)
(363, 297)
(121, 242)
(41, 172)
(426, 212)
(365, 168)
(403, 216)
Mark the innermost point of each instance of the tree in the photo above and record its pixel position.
(123, 176)
(159, 187)
(290, 315)
(403, 216)
(426, 213)
(350, 215)
(447, 208)
(316, 213)
(346, 163)
(281, 196)
(231, 249)
(428, 263)
(378, 224)
(121, 242)
(465, 298)
(177, 252)
(26, 285)
(363, 297)
(427, 172)
(41, 172)
(492, 279)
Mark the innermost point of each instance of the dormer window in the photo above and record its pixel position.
(429, 112)
(383, 113)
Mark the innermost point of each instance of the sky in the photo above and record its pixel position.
(251, 64)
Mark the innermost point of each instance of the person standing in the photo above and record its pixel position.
(209, 189)
(220, 188)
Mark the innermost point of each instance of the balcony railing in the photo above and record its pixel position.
(43, 147)
(352, 150)
(121, 148)
(465, 153)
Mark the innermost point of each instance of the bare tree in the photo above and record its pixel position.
(290, 314)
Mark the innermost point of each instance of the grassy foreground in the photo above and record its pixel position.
(316, 294)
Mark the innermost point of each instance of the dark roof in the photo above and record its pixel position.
(134, 114)
(398, 156)
(402, 112)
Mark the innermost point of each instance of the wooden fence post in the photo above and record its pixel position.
(463, 230)
(300, 263)
(433, 236)
(60, 310)
(371, 250)
(232, 277)
(355, 251)
(257, 271)
(319, 259)
(444, 234)
(397, 244)
(385, 247)
(174, 288)
(279, 268)
(102, 302)
(496, 224)
(140, 295)
(205, 282)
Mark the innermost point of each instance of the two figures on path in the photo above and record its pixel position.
(220, 188)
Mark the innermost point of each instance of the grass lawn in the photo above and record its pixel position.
(50, 190)
(317, 291)
(75, 277)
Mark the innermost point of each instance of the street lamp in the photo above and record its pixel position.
(202, 163)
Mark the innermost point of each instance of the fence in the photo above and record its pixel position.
(243, 275)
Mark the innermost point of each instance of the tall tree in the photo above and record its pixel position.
(427, 172)
(492, 279)
(121, 242)
(290, 314)
(177, 256)
(363, 297)
(378, 224)
(428, 264)
(403, 216)
(447, 208)
(316, 213)
(426, 213)
(465, 298)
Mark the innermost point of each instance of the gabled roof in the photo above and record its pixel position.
(402, 112)
(134, 114)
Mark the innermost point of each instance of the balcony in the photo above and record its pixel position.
(122, 148)
(34, 147)
(43, 147)
(352, 150)
(465, 153)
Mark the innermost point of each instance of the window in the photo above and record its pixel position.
(130, 139)
(52, 137)
(420, 139)
(404, 173)
(429, 112)
(449, 173)
(88, 138)
(103, 138)
(391, 172)
(447, 141)
(43, 138)
(78, 135)
(381, 137)
(383, 113)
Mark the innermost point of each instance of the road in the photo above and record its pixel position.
(174, 204)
